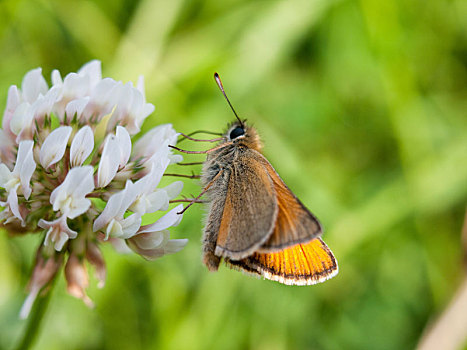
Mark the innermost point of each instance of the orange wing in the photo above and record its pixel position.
(294, 222)
(302, 264)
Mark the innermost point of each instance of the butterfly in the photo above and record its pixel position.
(255, 222)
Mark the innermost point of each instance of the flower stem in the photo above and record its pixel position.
(34, 320)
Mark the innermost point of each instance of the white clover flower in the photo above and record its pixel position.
(69, 170)
(19, 179)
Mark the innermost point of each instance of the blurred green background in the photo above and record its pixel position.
(362, 108)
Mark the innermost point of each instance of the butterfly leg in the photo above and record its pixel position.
(188, 200)
(192, 176)
(190, 163)
(188, 137)
(196, 199)
(222, 145)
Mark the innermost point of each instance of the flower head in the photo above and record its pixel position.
(69, 170)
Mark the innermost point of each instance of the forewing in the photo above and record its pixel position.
(294, 223)
(250, 208)
(301, 264)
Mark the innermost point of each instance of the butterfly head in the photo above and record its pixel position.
(243, 135)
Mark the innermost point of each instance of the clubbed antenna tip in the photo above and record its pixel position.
(221, 87)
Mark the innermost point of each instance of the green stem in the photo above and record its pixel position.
(34, 320)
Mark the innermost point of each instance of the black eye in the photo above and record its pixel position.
(238, 131)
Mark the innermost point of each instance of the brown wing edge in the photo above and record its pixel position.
(281, 186)
(267, 248)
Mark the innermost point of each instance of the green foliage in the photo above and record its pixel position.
(362, 108)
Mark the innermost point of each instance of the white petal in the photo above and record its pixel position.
(54, 146)
(168, 220)
(25, 166)
(59, 196)
(13, 203)
(148, 183)
(162, 153)
(13, 101)
(124, 228)
(56, 78)
(150, 246)
(5, 175)
(111, 210)
(174, 189)
(105, 96)
(175, 245)
(116, 206)
(124, 143)
(81, 146)
(120, 245)
(69, 197)
(80, 206)
(137, 113)
(149, 203)
(80, 181)
(139, 109)
(140, 86)
(75, 86)
(175, 158)
(126, 96)
(44, 104)
(148, 108)
(109, 162)
(153, 140)
(137, 103)
(158, 168)
(102, 92)
(76, 107)
(131, 225)
(122, 97)
(22, 118)
(93, 70)
(58, 232)
(33, 85)
(113, 229)
(152, 240)
(60, 241)
(10, 181)
(148, 198)
(45, 224)
(131, 107)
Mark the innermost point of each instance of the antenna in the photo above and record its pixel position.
(221, 87)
